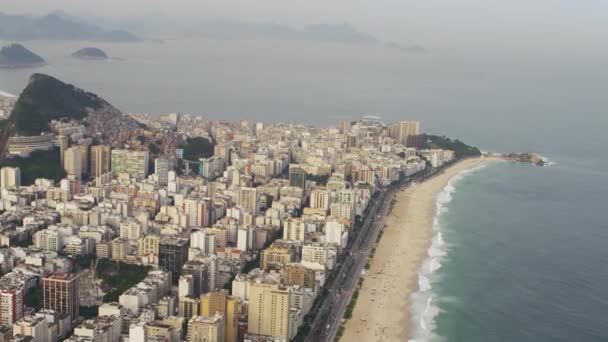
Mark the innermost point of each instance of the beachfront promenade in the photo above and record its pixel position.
(342, 284)
(383, 308)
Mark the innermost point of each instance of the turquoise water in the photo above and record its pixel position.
(522, 256)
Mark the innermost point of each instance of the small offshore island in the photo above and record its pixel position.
(17, 56)
(90, 53)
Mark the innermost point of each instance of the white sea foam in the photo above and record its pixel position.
(548, 162)
(5, 94)
(424, 306)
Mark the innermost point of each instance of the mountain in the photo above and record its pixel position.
(90, 53)
(17, 56)
(227, 28)
(46, 98)
(56, 27)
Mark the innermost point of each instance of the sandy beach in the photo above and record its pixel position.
(382, 311)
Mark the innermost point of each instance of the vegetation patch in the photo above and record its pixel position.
(40, 164)
(461, 150)
(119, 276)
(196, 148)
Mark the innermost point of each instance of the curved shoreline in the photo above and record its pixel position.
(383, 311)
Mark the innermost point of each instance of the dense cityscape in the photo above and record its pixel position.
(180, 228)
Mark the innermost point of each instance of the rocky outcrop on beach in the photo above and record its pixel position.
(529, 157)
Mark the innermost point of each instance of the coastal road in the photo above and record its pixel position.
(343, 285)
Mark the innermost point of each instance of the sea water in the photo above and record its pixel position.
(519, 255)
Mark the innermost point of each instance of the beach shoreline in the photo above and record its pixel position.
(383, 311)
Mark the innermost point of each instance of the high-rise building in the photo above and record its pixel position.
(199, 272)
(202, 241)
(148, 246)
(402, 130)
(344, 126)
(63, 142)
(319, 199)
(188, 307)
(12, 305)
(297, 176)
(135, 163)
(72, 161)
(219, 301)
(84, 158)
(198, 212)
(299, 275)
(269, 310)
(334, 231)
(274, 255)
(61, 292)
(48, 239)
(351, 141)
(293, 229)
(119, 249)
(162, 166)
(32, 326)
(10, 177)
(100, 160)
(172, 255)
(248, 198)
(206, 329)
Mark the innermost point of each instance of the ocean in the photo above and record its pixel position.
(520, 250)
(518, 256)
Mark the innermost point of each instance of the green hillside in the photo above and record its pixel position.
(460, 149)
(45, 98)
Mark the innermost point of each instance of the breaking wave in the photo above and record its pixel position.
(424, 303)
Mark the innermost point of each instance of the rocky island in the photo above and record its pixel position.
(528, 157)
(90, 53)
(17, 56)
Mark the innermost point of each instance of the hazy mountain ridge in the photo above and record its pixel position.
(56, 27)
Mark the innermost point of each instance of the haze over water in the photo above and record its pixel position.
(497, 100)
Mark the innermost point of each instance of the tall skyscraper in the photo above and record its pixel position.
(162, 166)
(198, 212)
(10, 177)
(12, 305)
(219, 301)
(351, 141)
(135, 163)
(248, 198)
(172, 255)
(61, 292)
(402, 130)
(297, 176)
(63, 142)
(100, 160)
(344, 126)
(269, 310)
(72, 161)
(84, 158)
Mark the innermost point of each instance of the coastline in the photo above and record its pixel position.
(407, 242)
(6, 94)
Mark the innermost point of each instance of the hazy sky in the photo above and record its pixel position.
(526, 22)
